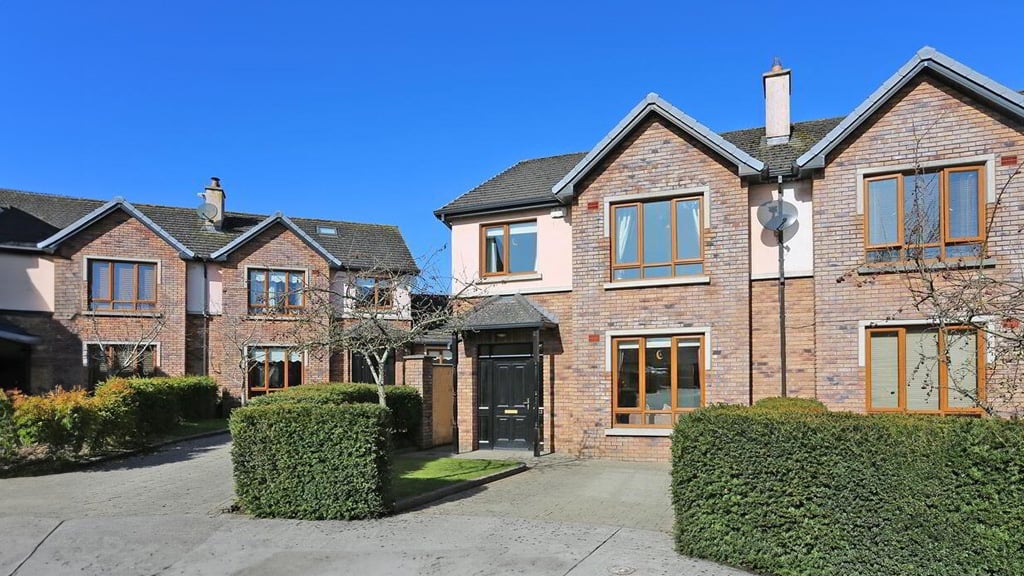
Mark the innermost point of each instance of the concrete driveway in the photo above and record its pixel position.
(160, 514)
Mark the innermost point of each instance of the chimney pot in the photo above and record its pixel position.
(777, 89)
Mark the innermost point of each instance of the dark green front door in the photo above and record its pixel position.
(507, 389)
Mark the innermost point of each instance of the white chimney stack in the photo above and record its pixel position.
(214, 196)
(777, 89)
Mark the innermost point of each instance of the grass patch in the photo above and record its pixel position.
(413, 476)
(187, 428)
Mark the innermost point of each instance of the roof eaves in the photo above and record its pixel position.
(747, 164)
(49, 244)
(443, 214)
(269, 221)
(926, 59)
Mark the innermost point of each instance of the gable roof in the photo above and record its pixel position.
(28, 218)
(746, 164)
(926, 59)
(526, 183)
(506, 312)
(780, 157)
(276, 218)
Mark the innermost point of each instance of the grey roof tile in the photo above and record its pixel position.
(29, 217)
(508, 311)
(527, 182)
(780, 157)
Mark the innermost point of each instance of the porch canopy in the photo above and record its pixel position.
(12, 333)
(506, 312)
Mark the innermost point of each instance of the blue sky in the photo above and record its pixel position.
(384, 111)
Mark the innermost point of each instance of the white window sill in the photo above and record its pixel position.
(678, 281)
(274, 318)
(511, 278)
(907, 266)
(124, 314)
(649, 432)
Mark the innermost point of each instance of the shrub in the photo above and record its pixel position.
(405, 403)
(63, 420)
(117, 415)
(797, 492)
(791, 405)
(160, 403)
(312, 461)
(197, 396)
(8, 433)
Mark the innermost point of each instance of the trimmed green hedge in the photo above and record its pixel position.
(312, 461)
(8, 433)
(160, 403)
(797, 492)
(405, 403)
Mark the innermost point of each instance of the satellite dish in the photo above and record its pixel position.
(777, 215)
(207, 211)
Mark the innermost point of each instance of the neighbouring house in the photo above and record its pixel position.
(617, 288)
(96, 288)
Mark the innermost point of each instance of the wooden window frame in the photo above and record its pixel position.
(673, 375)
(109, 300)
(507, 245)
(109, 351)
(266, 389)
(266, 309)
(673, 235)
(901, 332)
(376, 301)
(945, 241)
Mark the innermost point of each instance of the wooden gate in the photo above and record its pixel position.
(442, 403)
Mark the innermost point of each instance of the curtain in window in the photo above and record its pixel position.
(885, 369)
(257, 285)
(100, 282)
(275, 368)
(494, 246)
(962, 369)
(625, 235)
(277, 287)
(295, 289)
(294, 369)
(922, 370)
(963, 204)
(882, 216)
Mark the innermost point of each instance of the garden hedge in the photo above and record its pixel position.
(405, 403)
(161, 403)
(799, 492)
(312, 461)
(8, 433)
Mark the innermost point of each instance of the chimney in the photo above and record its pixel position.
(776, 103)
(212, 211)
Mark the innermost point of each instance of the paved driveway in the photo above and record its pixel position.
(159, 514)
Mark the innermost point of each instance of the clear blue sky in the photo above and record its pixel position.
(382, 112)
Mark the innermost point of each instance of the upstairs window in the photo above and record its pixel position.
(509, 249)
(372, 293)
(276, 291)
(657, 239)
(122, 286)
(924, 370)
(929, 216)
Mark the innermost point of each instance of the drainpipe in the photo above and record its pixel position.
(782, 299)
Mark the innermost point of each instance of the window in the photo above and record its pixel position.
(107, 361)
(926, 370)
(121, 286)
(276, 291)
(327, 230)
(655, 379)
(509, 249)
(929, 215)
(274, 369)
(658, 239)
(372, 293)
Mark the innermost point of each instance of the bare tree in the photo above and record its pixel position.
(130, 349)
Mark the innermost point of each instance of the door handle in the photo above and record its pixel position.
(527, 403)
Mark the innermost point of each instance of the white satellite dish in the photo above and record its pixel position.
(207, 212)
(777, 215)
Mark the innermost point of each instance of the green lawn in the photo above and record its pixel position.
(190, 428)
(414, 475)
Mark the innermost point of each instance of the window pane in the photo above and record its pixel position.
(275, 368)
(658, 371)
(100, 279)
(963, 251)
(147, 282)
(626, 235)
(295, 289)
(657, 232)
(886, 255)
(922, 370)
(494, 249)
(885, 369)
(257, 280)
(658, 420)
(688, 229)
(688, 374)
(921, 208)
(124, 281)
(657, 271)
(628, 376)
(963, 204)
(294, 369)
(882, 207)
(276, 288)
(148, 361)
(362, 291)
(257, 375)
(689, 269)
(627, 274)
(522, 250)
(962, 375)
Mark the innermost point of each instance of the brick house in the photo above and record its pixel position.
(95, 288)
(617, 288)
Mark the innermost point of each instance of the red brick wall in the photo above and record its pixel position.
(656, 157)
(119, 236)
(764, 340)
(927, 121)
